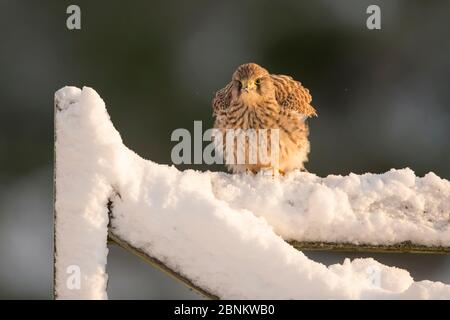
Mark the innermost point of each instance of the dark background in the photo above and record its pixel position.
(382, 98)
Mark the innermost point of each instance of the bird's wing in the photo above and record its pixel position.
(222, 99)
(292, 95)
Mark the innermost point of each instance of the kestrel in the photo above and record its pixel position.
(255, 100)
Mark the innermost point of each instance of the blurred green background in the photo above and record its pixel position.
(382, 96)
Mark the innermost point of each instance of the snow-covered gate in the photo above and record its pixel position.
(226, 236)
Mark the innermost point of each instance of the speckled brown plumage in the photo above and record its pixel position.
(255, 99)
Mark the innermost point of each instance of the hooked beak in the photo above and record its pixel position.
(248, 85)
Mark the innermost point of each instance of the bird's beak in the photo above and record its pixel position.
(248, 85)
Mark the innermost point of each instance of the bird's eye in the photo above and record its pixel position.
(239, 84)
(258, 81)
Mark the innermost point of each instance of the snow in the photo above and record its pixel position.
(225, 232)
(375, 209)
(81, 188)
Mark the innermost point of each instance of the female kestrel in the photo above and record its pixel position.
(258, 102)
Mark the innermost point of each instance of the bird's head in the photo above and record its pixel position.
(251, 83)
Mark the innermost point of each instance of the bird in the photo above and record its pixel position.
(258, 102)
